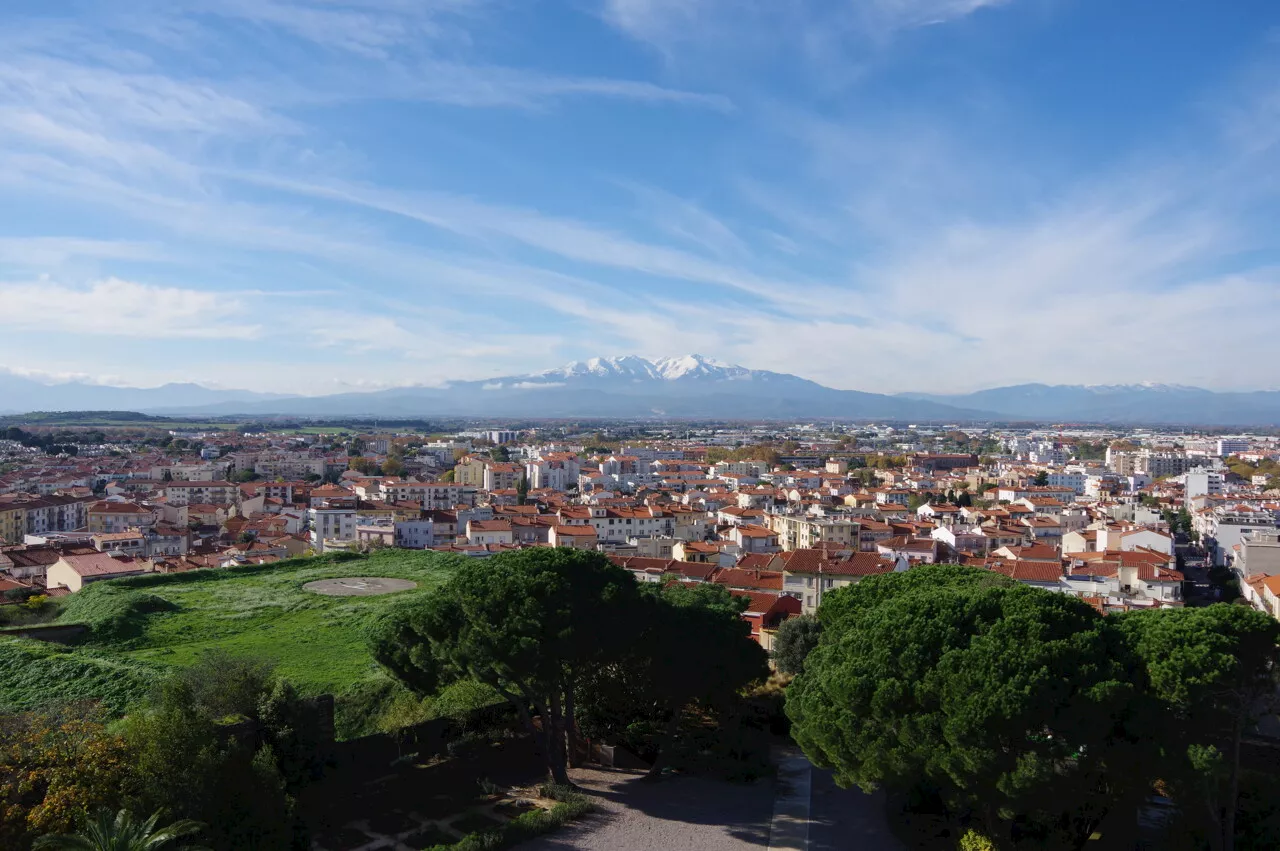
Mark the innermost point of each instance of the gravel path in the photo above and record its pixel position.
(676, 814)
(697, 814)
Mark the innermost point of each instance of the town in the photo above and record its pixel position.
(1124, 519)
(147, 544)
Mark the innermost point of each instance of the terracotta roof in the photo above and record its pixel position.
(575, 531)
(102, 564)
(763, 603)
(818, 562)
(759, 580)
(1027, 571)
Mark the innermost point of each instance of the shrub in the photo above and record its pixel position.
(974, 841)
(570, 805)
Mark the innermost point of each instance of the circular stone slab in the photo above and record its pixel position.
(359, 586)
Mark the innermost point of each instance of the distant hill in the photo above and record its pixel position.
(21, 394)
(1169, 404)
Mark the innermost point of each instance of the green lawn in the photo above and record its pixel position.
(317, 642)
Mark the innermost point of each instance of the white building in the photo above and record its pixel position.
(1075, 479)
(331, 526)
(1201, 482)
(415, 534)
(1233, 446)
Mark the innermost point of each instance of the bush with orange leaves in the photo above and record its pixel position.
(55, 767)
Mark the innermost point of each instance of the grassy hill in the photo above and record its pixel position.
(316, 641)
(143, 625)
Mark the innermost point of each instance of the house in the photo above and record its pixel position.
(809, 574)
(1126, 579)
(749, 579)
(912, 549)
(942, 512)
(73, 572)
(333, 525)
(572, 537)
(753, 539)
(130, 543)
(1151, 539)
(658, 569)
(489, 532)
(109, 516)
(765, 612)
(209, 492)
(1080, 541)
(1038, 574)
(701, 552)
(1033, 553)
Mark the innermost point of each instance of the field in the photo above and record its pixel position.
(316, 641)
(142, 626)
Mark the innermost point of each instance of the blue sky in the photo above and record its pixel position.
(324, 195)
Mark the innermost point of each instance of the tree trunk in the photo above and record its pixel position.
(1233, 788)
(669, 736)
(572, 741)
(557, 761)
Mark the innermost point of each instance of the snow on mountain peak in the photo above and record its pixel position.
(638, 368)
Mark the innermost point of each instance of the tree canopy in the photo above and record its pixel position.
(553, 630)
(1209, 674)
(695, 649)
(1029, 711)
(994, 694)
(527, 623)
(796, 638)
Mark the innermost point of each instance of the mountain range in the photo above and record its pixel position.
(688, 386)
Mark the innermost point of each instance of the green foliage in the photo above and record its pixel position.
(120, 831)
(225, 687)
(1002, 697)
(639, 696)
(1209, 674)
(849, 602)
(796, 637)
(527, 623)
(186, 767)
(1028, 710)
(1258, 828)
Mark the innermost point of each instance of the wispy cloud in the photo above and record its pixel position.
(666, 24)
(116, 308)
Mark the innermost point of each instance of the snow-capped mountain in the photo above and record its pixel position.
(642, 369)
(683, 386)
(631, 386)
